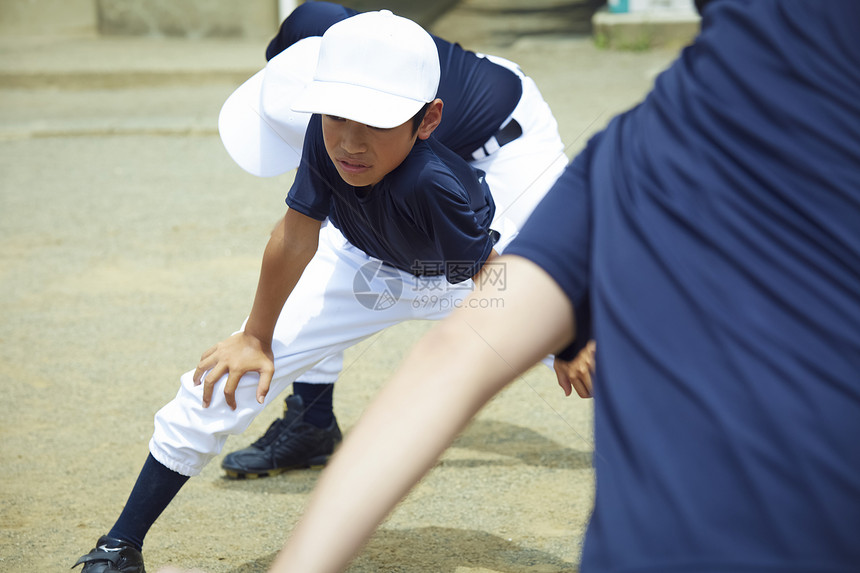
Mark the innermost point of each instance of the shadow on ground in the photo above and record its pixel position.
(521, 443)
(440, 550)
(512, 443)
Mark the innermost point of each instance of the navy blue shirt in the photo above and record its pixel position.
(429, 216)
(478, 95)
(713, 232)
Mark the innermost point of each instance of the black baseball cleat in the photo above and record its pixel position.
(112, 556)
(289, 443)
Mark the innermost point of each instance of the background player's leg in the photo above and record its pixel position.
(521, 172)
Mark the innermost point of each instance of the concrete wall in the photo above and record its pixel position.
(159, 18)
(48, 17)
(188, 18)
(176, 18)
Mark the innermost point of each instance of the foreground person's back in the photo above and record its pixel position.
(726, 299)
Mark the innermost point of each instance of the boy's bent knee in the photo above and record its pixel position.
(187, 435)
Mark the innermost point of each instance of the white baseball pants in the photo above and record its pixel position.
(322, 316)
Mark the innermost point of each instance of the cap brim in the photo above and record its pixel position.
(358, 103)
(258, 129)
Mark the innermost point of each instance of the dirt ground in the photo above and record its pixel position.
(126, 251)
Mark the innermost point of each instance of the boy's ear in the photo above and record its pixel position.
(431, 120)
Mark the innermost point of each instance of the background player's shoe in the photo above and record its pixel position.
(289, 443)
(112, 556)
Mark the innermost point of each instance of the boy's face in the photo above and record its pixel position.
(363, 155)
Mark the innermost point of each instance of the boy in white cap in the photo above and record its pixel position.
(494, 118)
(406, 217)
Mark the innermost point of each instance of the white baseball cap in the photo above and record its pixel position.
(374, 68)
(259, 130)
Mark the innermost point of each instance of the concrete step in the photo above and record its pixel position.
(119, 85)
(121, 62)
(645, 30)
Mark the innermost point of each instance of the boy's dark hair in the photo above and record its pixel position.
(419, 117)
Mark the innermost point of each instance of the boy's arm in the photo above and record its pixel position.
(290, 248)
(449, 375)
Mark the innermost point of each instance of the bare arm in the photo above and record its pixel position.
(290, 248)
(449, 375)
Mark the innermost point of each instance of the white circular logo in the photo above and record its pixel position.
(377, 286)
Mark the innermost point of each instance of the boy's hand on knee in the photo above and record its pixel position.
(235, 356)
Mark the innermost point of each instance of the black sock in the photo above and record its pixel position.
(155, 488)
(317, 399)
